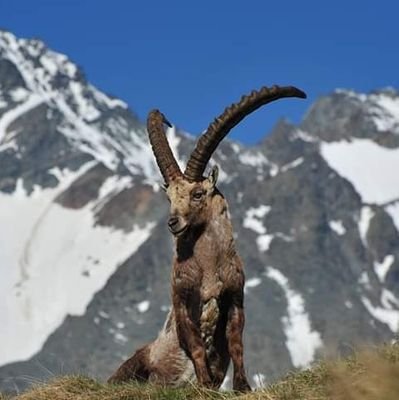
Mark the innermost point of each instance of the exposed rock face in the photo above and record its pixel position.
(86, 256)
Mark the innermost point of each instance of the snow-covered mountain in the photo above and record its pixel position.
(85, 255)
(51, 241)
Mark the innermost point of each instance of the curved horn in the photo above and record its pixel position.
(231, 116)
(160, 146)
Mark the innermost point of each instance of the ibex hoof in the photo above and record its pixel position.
(241, 386)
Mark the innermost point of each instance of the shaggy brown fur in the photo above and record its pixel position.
(204, 328)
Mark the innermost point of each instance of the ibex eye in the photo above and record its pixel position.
(197, 195)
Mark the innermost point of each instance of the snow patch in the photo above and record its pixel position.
(174, 142)
(393, 211)
(103, 314)
(366, 214)
(226, 384)
(293, 164)
(108, 101)
(251, 283)
(274, 170)
(10, 143)
(13, 114)
(236, 148)
(85, 107)
(259, 380)
(348, 304)
(263, 242)
(143, 306)
(19, 94)
(224, 177)
(337, 226)
(364, 280)
(385, 315)
(388, 299)
(45, 250)
(49, 64)
(302, 342)
(381, 269)
(120, 338)
(384, 110)
(304, 136)
(113, 185)
(370, 168)
(284, 237)
(252, 220)
(351, 93)
(253, 216)
(254, 159)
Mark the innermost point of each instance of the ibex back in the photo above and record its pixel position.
(204, 328)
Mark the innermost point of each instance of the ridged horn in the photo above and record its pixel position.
(160, 146)
(231, 116)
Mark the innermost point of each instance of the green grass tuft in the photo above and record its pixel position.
(368, 375)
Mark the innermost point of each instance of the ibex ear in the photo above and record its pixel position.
(213, 176)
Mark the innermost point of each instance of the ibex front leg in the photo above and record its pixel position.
(190, 337)
(235, 327)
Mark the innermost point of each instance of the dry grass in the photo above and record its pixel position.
(369, 375)
(83, 388)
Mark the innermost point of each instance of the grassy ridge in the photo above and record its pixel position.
(368, 375)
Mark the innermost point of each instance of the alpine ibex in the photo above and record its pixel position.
(204, 327)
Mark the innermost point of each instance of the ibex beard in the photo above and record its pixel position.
(204, 329)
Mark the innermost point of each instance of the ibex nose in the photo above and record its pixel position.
(172, 222)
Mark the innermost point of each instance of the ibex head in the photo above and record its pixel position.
(190, 202)
(190, 194)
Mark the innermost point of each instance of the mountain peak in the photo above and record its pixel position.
(32, 55)
(346, 113)
(49, 85)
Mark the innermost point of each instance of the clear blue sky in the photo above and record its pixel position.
(191, 59)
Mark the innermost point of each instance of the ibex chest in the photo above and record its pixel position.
(211, 285)
(210, 314)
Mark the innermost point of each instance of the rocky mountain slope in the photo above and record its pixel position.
(85, 255)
